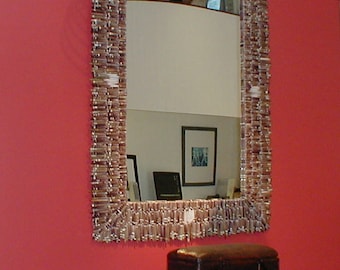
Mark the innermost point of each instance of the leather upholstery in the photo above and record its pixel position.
(238, 256)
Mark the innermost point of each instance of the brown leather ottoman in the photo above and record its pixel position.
(238, 256)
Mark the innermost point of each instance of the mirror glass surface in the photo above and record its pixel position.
(183, 69)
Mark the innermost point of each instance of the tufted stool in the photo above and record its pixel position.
(238, 256)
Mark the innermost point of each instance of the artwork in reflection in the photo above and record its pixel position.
(199, 156)
(203, 171)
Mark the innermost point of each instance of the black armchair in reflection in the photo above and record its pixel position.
(167, 186)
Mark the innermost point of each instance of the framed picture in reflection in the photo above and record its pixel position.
(198, 155)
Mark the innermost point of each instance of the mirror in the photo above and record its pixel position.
(174, 54)
(114, 218)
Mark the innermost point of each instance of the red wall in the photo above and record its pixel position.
(44, 140)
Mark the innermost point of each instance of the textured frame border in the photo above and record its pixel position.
(115, 219)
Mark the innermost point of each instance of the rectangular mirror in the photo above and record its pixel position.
(116, 219)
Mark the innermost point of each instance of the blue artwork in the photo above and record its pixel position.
(199, 156)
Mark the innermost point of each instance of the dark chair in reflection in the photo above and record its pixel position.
(167, 186)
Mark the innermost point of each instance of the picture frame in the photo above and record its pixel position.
(199, 146)
(133, 188)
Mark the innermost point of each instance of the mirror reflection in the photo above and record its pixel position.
(182, 70)
(231, 6)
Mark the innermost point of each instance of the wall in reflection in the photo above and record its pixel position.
(182, 59)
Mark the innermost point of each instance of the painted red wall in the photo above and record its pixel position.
(44, 140)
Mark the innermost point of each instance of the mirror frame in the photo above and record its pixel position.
(114, 218)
